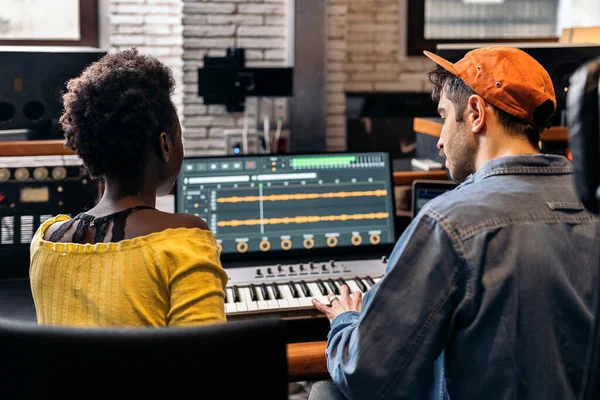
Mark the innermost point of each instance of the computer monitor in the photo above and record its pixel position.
(425, 190)
(269, 206)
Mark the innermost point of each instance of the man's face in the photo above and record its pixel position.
(456, 144)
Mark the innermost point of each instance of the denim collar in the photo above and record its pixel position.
(531, 164)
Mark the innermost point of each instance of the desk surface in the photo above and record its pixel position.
(306, 361)
(433, 127)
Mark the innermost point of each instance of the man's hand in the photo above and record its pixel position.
(338, 305)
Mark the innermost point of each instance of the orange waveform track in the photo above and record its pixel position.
(303, 219)
(302, 196)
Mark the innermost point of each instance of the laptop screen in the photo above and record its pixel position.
(262, 204)
(424, 191)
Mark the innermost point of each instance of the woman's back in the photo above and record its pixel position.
(163, 271)
(124, 263)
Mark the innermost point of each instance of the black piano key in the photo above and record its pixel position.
(236, 294)
(322, 288)
(264, 291)
(334, 289)
(305, 289)
(342, 282)
(360, 284)
(293, 289)
(253, 294)
(276, 291)
(370, 281)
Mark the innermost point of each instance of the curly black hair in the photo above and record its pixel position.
(459, 92)
(114, 110)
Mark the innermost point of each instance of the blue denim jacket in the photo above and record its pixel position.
(497, 276)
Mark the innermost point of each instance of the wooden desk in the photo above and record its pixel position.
(433, 127)
(306, 361)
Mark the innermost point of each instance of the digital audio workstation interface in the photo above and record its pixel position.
(425, 191)
(288, 202)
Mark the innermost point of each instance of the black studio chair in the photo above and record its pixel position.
(236, 360)
(583, 117)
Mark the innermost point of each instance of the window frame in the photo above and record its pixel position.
(416, 41)
(88, 28)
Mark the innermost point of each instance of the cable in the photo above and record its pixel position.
(245, 135)
(277, 135)
(266, 128)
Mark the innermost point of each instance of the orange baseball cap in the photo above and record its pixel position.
(506, 77)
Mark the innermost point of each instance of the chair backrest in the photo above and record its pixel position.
(583, 119)
(242, 359)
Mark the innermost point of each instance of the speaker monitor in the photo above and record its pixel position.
(32, 80)
(561, 60)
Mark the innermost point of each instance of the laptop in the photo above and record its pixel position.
(425, 190)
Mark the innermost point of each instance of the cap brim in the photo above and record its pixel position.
(447, 65)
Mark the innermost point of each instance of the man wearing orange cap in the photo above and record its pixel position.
(488, 293)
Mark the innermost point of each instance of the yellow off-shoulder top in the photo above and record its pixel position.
(168, 278)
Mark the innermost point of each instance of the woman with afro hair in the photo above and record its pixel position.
(125, 263)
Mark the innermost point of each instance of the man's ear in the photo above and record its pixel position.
(165, 146)
(476, 113)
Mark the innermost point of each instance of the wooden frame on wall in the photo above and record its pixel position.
(88, 28)
(416, 41)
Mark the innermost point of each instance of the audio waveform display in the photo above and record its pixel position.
(302, 196)
(304, 219)
(311, 203)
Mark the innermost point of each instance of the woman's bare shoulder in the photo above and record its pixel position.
(161, 220)
(52, 228)
(187, 221)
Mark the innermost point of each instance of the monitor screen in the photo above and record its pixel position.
(424, 191)
(284, 203)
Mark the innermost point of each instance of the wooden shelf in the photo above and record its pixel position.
(34, 148)
(433, 127)
(407, 177)
(307, 361)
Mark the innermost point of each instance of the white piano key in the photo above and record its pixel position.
(282, 303)
(241, 306)
(314, 288)
(262, 303)
(251, 304)
(303, 300)
(286, 293)
(272, 303)
(367, 284)
(376, 279)
(329, 283)
(230, 307)
(353, 286)
(361, 281)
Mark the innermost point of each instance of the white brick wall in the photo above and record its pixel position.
(209, 27)
(364, 54)
(155, 28)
